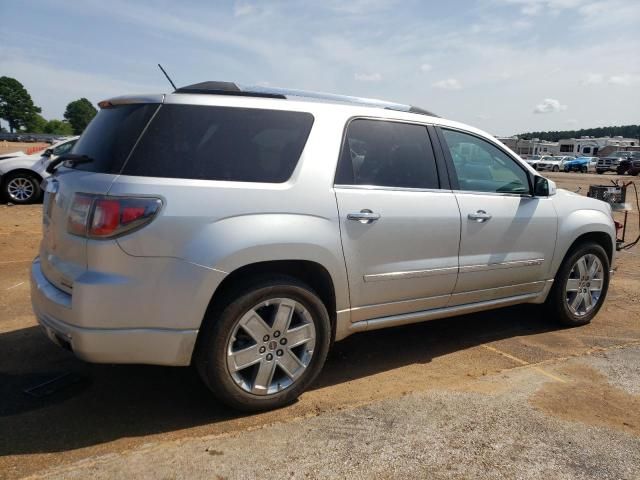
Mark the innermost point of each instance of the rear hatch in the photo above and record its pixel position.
(107, 141)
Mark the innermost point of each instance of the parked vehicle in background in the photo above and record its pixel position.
(634, 164)
(21, 176)
(626, 165)
(19, 153)
(581, 164)
(551, 163)
(243, 230)
(532, 159)
(611, 163)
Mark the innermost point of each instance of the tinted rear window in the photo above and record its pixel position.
(221, 143)
(110, 136)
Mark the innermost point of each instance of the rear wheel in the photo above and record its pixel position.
(580, 286)
(264, 345)
(21, 188)
(584, 169)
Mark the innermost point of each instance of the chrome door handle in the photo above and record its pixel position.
(480, 216)
(363, 216)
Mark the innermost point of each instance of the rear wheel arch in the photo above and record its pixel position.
(311, 273)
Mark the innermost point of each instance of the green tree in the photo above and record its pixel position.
(16, 105)
(36, 124)
(79, 113)
(58, 127)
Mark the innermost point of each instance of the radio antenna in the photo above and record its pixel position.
(168, 77)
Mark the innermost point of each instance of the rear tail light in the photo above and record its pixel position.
(98, 216)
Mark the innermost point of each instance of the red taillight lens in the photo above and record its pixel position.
(108, 217)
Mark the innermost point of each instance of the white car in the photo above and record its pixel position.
(19, 153)
(20, 176)
(551, 163)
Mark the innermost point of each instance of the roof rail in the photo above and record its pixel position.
(230, 88)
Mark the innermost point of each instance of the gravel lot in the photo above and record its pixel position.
(503, 394)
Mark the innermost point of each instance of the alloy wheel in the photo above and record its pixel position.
(584, 285)
(271, 346)
(20, 189)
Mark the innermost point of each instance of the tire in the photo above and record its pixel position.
(232, 326)
(599, 172)
(635, 173)
(559, 299)
(21, 188)
(556, 168)
(584, 169)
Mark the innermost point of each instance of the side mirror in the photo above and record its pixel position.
(48, 152)
(543, 187)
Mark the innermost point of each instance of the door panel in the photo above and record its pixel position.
(407, 259)
(513, 247)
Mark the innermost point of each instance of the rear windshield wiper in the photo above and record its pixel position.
(71, 158)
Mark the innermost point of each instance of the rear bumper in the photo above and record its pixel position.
(155, 346)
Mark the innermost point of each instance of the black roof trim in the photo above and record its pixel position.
(223, 88)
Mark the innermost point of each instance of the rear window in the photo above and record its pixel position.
(111, 135)
(221, 143)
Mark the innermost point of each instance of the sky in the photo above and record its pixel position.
(506, 66)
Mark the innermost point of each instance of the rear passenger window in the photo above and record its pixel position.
(387, 154)
(221, 143)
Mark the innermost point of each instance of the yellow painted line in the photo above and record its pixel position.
(505, 354)
(550, 375)
(16, 285)
(525, 363)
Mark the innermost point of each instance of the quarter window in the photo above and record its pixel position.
(387, 154)
(221, 143)
(482, 167)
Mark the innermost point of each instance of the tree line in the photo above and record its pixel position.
(627, 131)
(22, 115)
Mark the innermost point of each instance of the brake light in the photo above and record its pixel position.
(97, 216)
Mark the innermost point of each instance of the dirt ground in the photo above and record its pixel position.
(499, 392)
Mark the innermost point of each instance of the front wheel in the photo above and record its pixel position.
(21, 188)
(556, 168)
(264, 345)
(584, 169)
(580, 286)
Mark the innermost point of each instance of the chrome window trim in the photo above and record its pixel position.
(493, 194)
(392, 189)
(402, 275)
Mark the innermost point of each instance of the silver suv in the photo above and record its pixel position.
(243, 230)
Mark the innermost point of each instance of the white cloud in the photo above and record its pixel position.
(448, 84)
(425, 67)
(368, 77)
(624, 80)
(593, 79)
(242, 9)
(549, 105)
